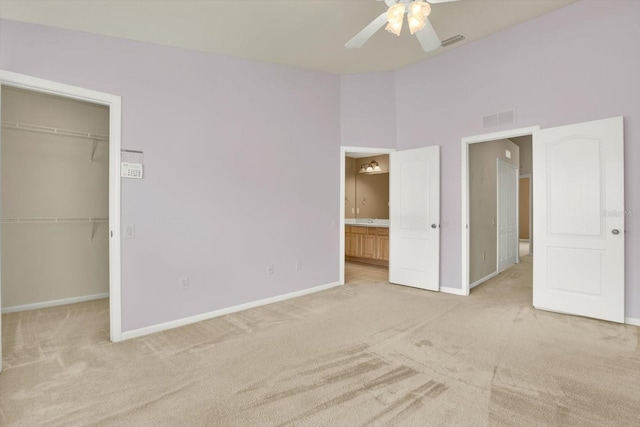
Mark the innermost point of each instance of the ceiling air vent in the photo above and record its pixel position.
(499, 119)
(451, 40)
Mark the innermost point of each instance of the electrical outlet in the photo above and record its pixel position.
(298, 265)
(270, 269)
(183, 283)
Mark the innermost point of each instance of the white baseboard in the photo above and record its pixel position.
(454, 291)
(484, 279)
(221, 312)
(632, 321)
(54, 303)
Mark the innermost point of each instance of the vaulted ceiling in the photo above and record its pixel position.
(301, 33)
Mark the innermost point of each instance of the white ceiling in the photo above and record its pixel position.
(302, 33)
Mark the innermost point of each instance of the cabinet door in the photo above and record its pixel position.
(368, 246)
(383, 248)
(351, 244)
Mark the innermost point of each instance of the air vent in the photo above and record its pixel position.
(499, 119)
(452, 40)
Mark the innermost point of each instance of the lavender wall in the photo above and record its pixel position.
(577, 64)
(241, 167)
(368, 110)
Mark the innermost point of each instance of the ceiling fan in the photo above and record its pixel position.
(416, 11)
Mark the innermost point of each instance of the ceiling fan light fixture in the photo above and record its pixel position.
(395, 15)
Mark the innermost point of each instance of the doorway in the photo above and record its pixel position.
(364, 214)
(111, 225)
(480, 202)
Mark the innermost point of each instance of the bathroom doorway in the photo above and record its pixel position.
(364, 215)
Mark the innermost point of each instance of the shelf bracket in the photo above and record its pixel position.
(93, 151)
(94, 227)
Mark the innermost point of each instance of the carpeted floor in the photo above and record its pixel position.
(364, 354)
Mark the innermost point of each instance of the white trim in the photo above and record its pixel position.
(464, 166)
(114, 103)
(484, 279)
(343, 151)
(454, 291)
(54, 303)
(632, 321)
(222, 312)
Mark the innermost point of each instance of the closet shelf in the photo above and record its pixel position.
(50, 220)
(54, 131)
(93, 221)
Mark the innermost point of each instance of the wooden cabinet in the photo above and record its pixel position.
(350, 244)
(383, 248)
(368, 247)
(367, 244)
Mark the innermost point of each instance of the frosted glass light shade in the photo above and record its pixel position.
(395, 16)
(394, 27)
(420, 10)
(415, 24)
(396, 12)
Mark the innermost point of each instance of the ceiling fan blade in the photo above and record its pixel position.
(364, 35)
(393, 2)
(428, 38)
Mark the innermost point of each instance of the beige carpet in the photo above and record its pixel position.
(367, 354)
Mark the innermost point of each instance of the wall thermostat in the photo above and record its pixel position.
(131, 170)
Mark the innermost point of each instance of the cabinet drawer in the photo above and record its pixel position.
(371, 230)
(347, 229)
(359, 230)
(383, 231)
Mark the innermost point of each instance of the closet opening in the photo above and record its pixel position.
(55, 207)
(59, 211)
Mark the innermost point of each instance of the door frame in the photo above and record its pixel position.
(344, 149)
(114, 103)
(464, 166)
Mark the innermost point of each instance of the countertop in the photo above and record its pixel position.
(367, 222)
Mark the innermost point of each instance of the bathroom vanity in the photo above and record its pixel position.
(366, 241)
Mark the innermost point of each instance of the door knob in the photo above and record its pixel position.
(615, 231)
(434, 226)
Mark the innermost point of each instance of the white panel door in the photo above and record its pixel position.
(507, 189)
(578, 214)
(414, 212)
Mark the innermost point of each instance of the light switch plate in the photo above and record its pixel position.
(129, 231)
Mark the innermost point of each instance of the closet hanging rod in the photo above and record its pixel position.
(54, 131)
(44, 220)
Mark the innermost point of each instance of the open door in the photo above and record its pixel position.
(578, 180)
(414, 212)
